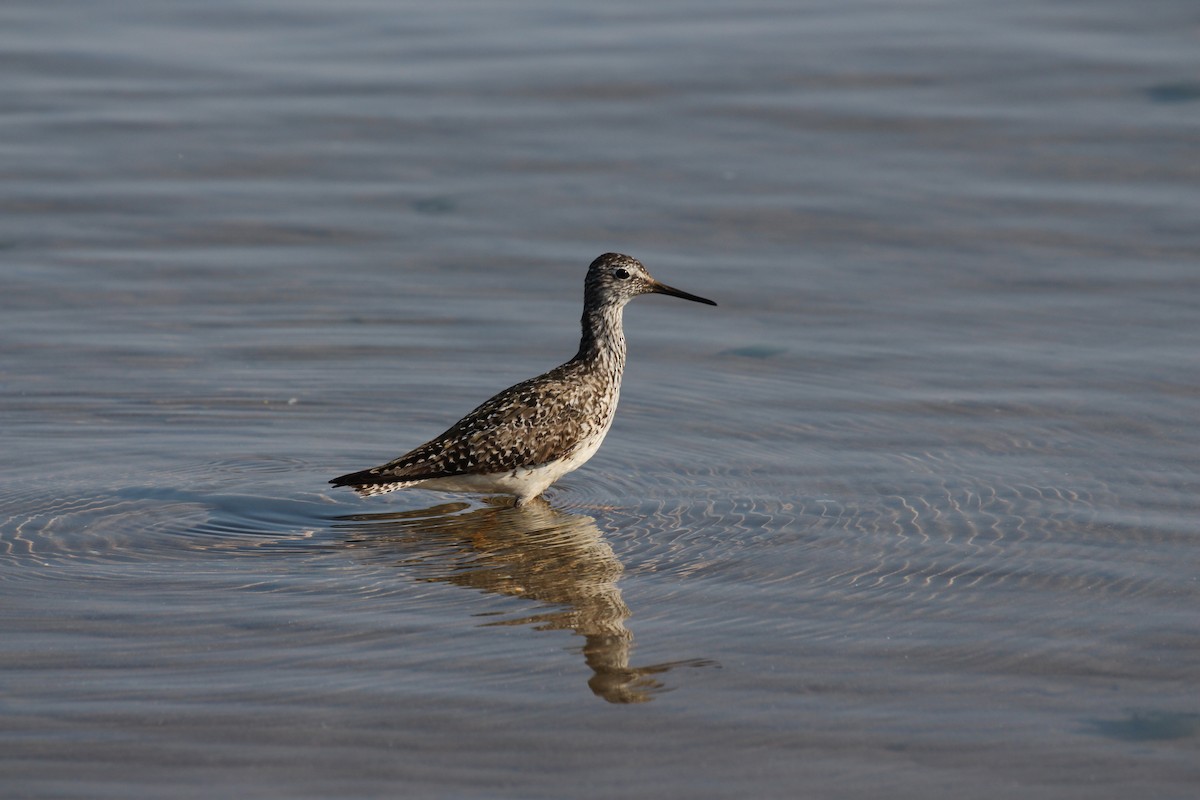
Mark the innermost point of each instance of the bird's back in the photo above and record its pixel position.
(536, 422)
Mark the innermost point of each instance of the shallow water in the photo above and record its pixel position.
(914, 509)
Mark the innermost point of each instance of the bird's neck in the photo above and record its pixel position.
(603, 341)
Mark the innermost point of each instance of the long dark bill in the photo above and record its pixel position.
(662, 288)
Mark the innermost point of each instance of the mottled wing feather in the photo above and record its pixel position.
(531, 423)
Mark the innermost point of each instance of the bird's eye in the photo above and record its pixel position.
(621, 274)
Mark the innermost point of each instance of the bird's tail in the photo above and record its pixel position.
(368, 483)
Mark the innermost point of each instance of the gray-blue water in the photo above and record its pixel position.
(913, 513)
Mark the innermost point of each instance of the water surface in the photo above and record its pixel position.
(914, 509)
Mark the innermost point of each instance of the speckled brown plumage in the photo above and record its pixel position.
(527, 436)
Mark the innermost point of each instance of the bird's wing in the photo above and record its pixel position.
(532, 423)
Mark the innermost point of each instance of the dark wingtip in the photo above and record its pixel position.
(355, 479)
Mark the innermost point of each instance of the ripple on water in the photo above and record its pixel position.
(557, 560)
(86, 524)
(932, 534)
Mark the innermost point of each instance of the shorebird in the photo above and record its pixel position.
(531, 434)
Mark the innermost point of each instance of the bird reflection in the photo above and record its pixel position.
(532, 551)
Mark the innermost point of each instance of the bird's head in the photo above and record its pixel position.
(614, 278)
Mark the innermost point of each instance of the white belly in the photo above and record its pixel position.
(524, 482)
